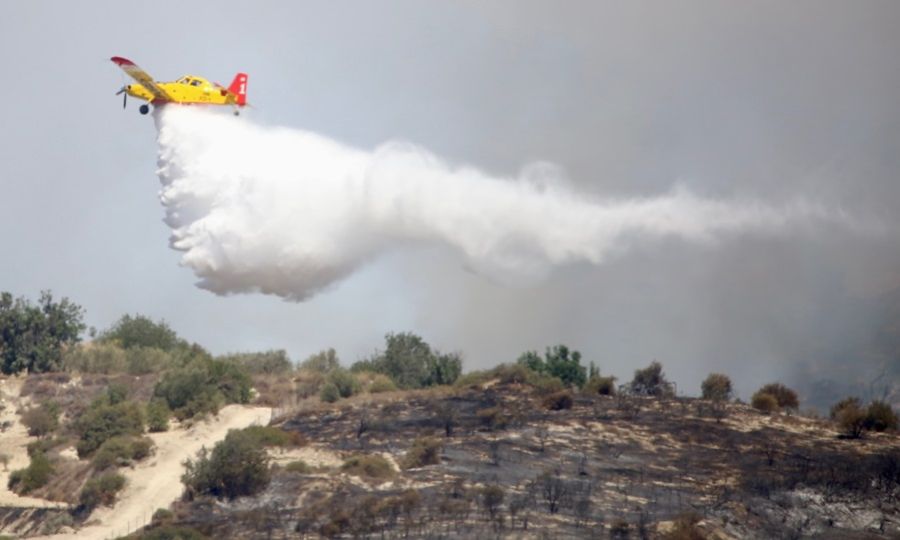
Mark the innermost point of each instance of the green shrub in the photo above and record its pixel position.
(41, 420)
(765, 402)
(308, 383)
(273, 362)
(95, 357)
(36, 475)
(411, 363)
(299, 466)
(368, 466)
(651, 381)
(344, 381)
(880, 417)
(558, 362)
(101, 422)
(600, 386)
(237, 466)
(381, 383)
(786, 398)
(272, 436)
(158, 413)
(203, 386)
(121, 451)
(144, 360)
(141, 331)
(717, 387)
(321, 362)
(171, 532)
(101, 490)
(329, 393)
(424, 451)
(162, 515)
(558, 401)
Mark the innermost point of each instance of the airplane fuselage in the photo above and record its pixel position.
(188, 89)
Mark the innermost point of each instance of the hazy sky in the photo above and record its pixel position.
(772, 100)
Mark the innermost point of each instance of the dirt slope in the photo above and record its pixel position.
(155, 483)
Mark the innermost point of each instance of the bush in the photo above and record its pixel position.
(36, 475)
(267, 436)
(237, 466)
(274, 362)
(764, 402)
(144, 360)
(786, 398)
(321, 362)
(41, 420)
(411, 363)
(158, 415)
(717, 387)
(101, 422)
(493, 418)
(840, 405)
(651, 381)
(344, 381)
(685, 526)
(880, 417)
(141, 331)
(381, 383)
(299, 466)
(100, 490)
(171, 532)
(424, 451)
(329, 393)
(850, 416)
(203, 386)
(600, 386)
(558, 401)
(557, 362)
(368, 466)
(121, 451)
(95, 357)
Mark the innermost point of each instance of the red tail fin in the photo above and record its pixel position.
(239, 88)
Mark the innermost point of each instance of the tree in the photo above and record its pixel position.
(558, 362)
(33, 337)
(717, 387)
(237, 466)
(786, 398)
(322, 362)
(412, 363)
(651, 381)
(140, 331)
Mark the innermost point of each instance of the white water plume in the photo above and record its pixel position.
(289, 212)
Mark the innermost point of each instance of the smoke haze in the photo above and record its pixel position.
(289, 212)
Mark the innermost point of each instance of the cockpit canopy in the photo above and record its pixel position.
(193, 81)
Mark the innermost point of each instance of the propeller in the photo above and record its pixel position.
(124, 97)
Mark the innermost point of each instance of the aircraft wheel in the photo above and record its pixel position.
(144, 109)
(237, 113)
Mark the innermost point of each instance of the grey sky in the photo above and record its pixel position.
(769, 99)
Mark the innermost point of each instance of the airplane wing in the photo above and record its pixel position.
(141, 76)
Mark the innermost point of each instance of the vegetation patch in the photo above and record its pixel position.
(368, 466)
(237, 466)
(424, 451)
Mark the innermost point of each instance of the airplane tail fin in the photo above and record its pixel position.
(239, 88)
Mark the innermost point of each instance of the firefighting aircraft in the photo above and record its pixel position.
(186, 90)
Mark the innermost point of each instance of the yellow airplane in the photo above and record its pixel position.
(187, 90)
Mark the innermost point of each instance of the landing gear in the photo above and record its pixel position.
(237, 112)
(144, 108)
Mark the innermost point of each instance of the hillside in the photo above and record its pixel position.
(607, 467)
